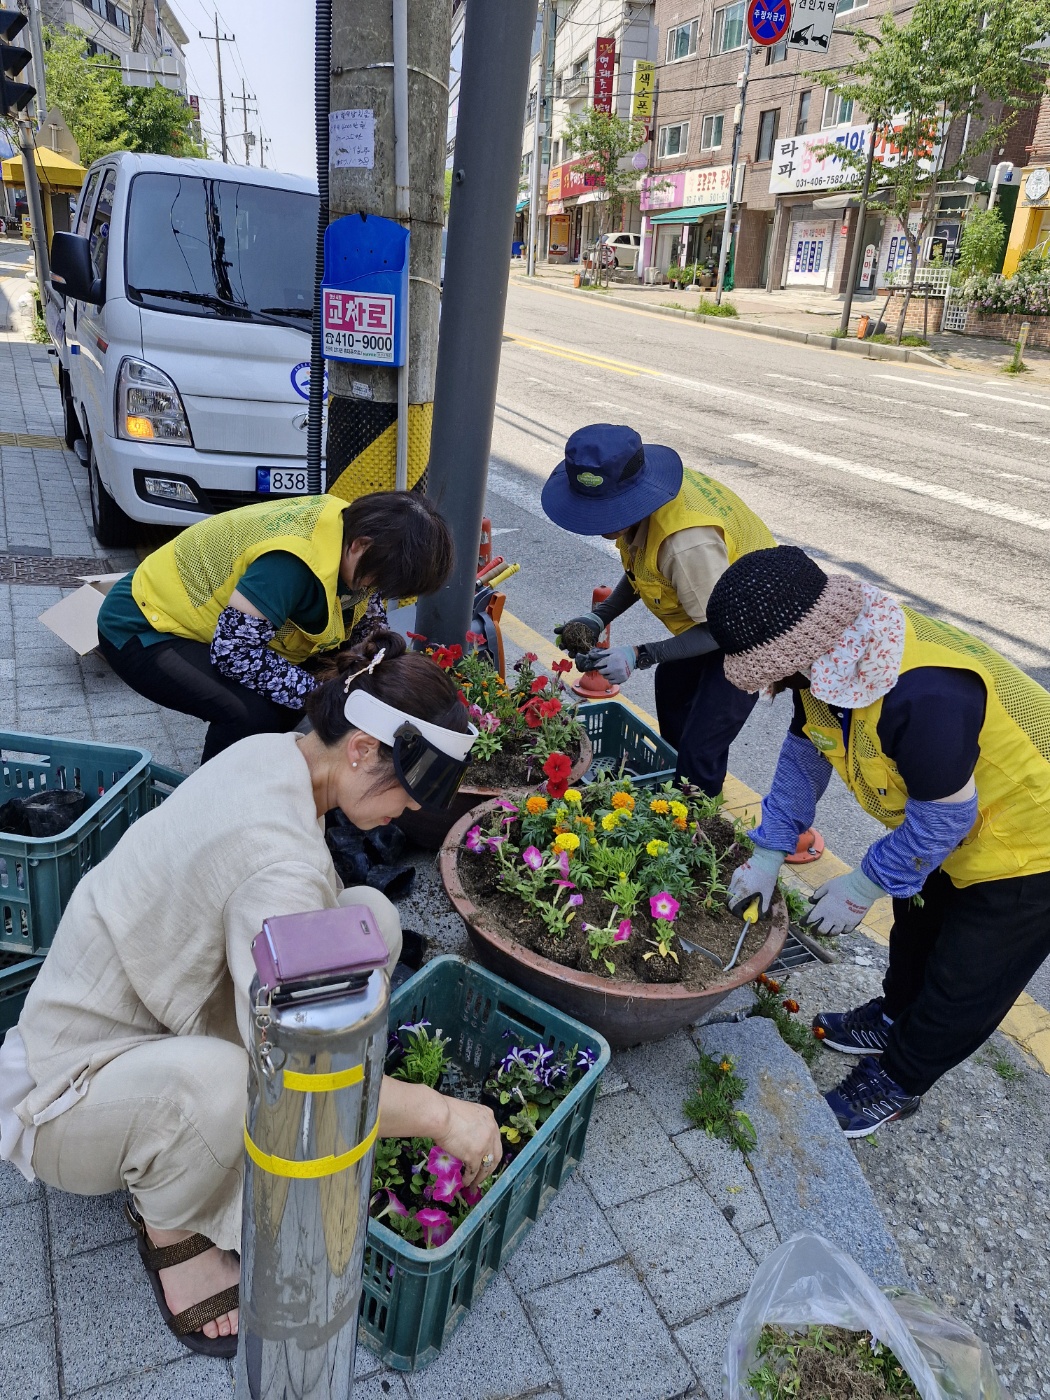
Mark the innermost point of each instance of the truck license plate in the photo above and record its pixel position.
(281, 481)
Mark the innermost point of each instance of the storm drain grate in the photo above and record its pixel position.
(793, 954)
(33, 569)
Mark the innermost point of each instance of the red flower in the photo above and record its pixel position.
(415, 636)
(558, 767)
(557, 788)
(549, 708)
(446, 657)
(530, 657)
(540, 683)
(561, 666)
(531, 715)
(476, 638)
(463, 700)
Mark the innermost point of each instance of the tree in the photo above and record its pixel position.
(604, 141)
(920, 82)
(981, 243)
(102, 113)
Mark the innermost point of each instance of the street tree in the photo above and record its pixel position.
(953, 64)
(981, 243)
(604, 143)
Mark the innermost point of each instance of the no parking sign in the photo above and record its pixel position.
(768, 21)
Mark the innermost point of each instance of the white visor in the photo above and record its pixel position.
(382, 721)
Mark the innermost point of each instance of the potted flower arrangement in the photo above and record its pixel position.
(528, 732)
(609, 902)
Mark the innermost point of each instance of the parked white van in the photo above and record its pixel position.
(184, 338)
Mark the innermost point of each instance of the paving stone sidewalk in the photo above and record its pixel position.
(627, 1287)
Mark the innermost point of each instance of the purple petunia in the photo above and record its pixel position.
(533, 857)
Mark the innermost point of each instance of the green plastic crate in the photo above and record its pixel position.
(619, 736)
(412, 1299)
(38, 874)
(16, 977)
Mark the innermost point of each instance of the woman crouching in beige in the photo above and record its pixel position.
(128, 1069)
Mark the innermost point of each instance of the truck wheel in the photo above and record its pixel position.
(112, 528)
(71, 428)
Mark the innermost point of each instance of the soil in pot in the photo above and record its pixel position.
(514, 767)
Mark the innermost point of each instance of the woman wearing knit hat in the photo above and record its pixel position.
(946, 743)
(676, 531)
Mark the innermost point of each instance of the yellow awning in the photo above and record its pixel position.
(57, 173)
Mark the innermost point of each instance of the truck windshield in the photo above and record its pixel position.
(221, 249)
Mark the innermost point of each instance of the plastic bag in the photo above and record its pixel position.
(807, 1281)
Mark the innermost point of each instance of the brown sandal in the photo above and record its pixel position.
(185, 1325)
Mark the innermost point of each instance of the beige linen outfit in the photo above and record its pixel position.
(134, 1072)
(692, 561)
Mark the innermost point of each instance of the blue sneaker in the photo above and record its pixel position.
(862, 1031)
(867, 1098)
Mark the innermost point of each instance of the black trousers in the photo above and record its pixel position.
(179, 675)
(700, 713)
(957, 965)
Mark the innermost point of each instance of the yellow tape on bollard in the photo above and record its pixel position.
(314, 1168)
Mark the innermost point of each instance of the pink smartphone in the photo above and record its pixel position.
(317, 954)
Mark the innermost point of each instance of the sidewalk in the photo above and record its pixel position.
(629, 1283)
(801, 309)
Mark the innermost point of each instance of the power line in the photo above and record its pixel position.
(220, 39)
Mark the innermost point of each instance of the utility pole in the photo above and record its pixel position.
(538, 127)
(220, 39)
(497, 46)
(248, 136)
(738, 131)
(391, 61)
(37, 38)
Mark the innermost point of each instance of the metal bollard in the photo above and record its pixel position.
(315, 1070)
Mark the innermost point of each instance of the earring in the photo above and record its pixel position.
(353, 765)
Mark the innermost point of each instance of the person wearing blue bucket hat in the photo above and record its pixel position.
(677, 532)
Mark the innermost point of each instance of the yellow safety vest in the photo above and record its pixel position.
(1011, 835)
(184, 586)
(701, 501)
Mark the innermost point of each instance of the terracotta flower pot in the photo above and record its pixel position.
(430, 829)
(625, 1013)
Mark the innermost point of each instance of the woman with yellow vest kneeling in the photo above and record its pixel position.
(219, 621)
(676, 531)
(946, 743)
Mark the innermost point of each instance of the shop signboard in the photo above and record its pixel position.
(799, 165)
(663, 191)
(867, 270)
(604, 63)
(809, 249)
(572, 179)
(811, 24)
(707, 186)
(643, 79)
(364, 293)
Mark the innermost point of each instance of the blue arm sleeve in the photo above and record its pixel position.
(801, 778)
(241, 651)
(901, 861)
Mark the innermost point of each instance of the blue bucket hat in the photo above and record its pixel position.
(609, 480)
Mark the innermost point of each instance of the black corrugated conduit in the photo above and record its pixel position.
(322, 85)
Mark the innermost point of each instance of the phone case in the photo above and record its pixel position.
(296, 953)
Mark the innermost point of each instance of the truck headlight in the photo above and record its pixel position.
(149, 408)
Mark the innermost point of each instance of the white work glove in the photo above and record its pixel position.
(614, 663)
(589, 620)
(840, 904)
(758, 875)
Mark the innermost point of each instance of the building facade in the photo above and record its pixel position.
(143, 36)
(794, 224)
(1031, 221)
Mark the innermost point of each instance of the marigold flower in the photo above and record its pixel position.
(680, 823)
(660, 807)
(623, 801)
(559, 827)
(819, 1032)
(567, 841)
(610, 821)
(574, 796)
(772, 984)
(588, 822)
(679, 810)
(535, 805)
(791, 1005)
(656, 848)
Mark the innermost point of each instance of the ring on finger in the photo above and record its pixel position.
(487, 1160)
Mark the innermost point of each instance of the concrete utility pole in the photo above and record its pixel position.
(538, 126)
(220, 39)
(39, 78)
(497, 46)
(247, 136)
(27, 142)
(738, 130)
(392, 62)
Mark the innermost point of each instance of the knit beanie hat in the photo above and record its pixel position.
(775, 611)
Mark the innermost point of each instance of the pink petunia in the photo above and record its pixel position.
(446, 1185)
(663, 906)
(395, 1207)
(623, 932)
(563, 864)
(472, 1195)
(532, 857)
(474, 841)
(437, 1226)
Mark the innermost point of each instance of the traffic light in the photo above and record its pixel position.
(13, 96)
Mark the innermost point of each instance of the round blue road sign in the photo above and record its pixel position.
(768, 20)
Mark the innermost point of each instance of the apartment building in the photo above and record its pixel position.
(143, 36)
(592, 48)
(792, 227)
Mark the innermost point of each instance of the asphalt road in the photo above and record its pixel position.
(932, 484)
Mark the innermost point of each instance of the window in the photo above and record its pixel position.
(838, 111)
(682, 40)
(844, 5)
(526, 165)
(555, 152)
(776, 53)
(803, 112)
(711, 133)
(530, 106)
(768, 128)
(98, 238)
(99, 6)
(727, 30)
(85, 203)
(674, 140)
(117, 16)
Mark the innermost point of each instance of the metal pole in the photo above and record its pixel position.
(858, 238)
(738, 131)
(403, 210)
(496, 52)
(39, 75)
(36, 208)
(539, 120)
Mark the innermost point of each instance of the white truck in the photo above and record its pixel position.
(181, 313)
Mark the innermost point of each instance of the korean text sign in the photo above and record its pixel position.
(604, 64)
(364, 296)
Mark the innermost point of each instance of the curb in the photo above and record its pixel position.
(864, 348)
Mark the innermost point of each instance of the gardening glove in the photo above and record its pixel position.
(840, 904)
(589, 620)
(614, 663)
(757, 875)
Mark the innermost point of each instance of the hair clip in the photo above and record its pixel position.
(369, 668)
